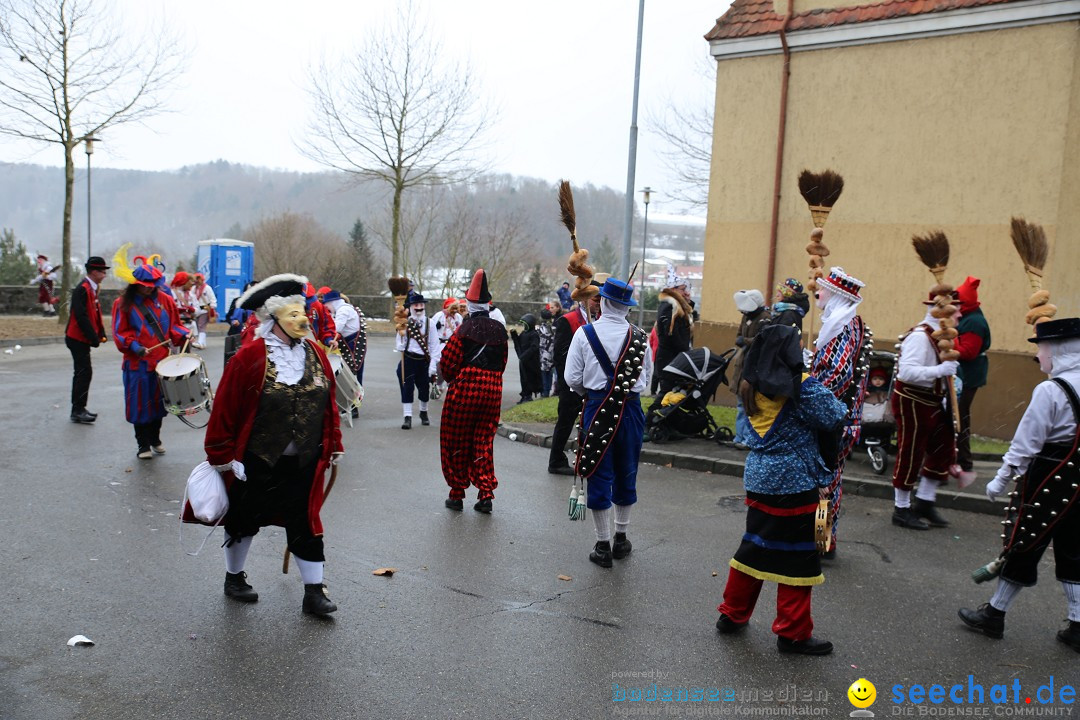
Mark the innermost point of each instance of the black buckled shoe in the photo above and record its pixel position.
(906, 518)
(317, 600)
(564, 470)
(236, 587)
(621, 547)
(424, 418)
(454, 504)
(406, 424)
(809, 646)
(1071, 635)
(82, 417)
(727, 626)
(926, 510)
(986, 619)
(601, 554)
(483, 506)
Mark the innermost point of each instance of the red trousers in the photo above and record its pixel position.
(793, 620)
(470, 418)
(925, 440)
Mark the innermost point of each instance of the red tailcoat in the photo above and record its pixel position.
(235, 404)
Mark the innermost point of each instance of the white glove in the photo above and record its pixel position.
(335, 458)
(947, 368)
(997, 486)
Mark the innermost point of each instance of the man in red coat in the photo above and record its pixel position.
(85, 330)
(275, 421)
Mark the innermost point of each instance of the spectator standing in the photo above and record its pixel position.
(755, 315)
(564, 296)
(527, 347)
(675, 318)
(547, 350)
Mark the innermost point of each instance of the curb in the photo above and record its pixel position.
(853, 484)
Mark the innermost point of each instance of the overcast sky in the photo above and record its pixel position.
(560, 72)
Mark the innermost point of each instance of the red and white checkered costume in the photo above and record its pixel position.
(472, 362)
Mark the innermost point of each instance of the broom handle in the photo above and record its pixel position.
(955, 405)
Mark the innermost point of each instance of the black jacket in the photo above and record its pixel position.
(527, 347)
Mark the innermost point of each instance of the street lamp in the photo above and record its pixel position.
(646, 191)
(89, 143)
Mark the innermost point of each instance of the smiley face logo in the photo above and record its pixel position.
(862, 693)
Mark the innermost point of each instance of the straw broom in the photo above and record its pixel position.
(399, 288)
(820, 191)
(933, 250)
(577, 265)
(1030, 242)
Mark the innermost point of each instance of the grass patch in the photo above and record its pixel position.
(546, 411)
(981, 444)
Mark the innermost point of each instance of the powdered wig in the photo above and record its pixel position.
(275, 303)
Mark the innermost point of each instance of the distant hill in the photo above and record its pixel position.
(170, 211)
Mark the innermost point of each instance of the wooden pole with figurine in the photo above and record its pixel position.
(820, 191)
(933, 250)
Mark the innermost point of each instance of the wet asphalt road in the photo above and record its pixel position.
(475, 623)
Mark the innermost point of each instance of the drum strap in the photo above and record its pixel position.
(152, 321)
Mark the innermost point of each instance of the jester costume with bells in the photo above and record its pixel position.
(1044, 459)
(273, 434)
(609, 362)
(472, 362)
(145, 322)
(840, 364)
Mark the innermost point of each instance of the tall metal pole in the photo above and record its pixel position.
(631, 164)
(644, 242)
(89, 142)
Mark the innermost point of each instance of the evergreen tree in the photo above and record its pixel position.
(16, 267)
(366, 272)
(604, 259)
(536, 286)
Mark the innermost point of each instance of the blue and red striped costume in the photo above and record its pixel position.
(835, 366)
(132, 331)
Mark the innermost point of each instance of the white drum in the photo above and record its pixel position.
(349, 390)
(185, 385)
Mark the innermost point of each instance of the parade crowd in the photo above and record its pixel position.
(274, 431)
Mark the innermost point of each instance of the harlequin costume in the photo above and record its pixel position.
(351, 328)
(784, 480)
(472, 362)
(145, 322)
(1044, 460)
(323, 328)
(274, 412)
(841, 364)
(925, 438)
(419, 345)
(85, 330)
(610, 364)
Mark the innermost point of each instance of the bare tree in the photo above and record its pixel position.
(69, 72)
(294, 243)
(397, 111)
(686, 128)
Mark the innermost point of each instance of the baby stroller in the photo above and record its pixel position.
(691, 379)
(878, 423)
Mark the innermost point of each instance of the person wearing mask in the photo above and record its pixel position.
(755, 315)
(420, 351)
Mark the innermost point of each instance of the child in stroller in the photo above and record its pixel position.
(878, 424)
(681, 409)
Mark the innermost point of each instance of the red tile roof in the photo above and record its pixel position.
(746, 18)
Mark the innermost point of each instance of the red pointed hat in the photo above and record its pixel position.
(478, 288)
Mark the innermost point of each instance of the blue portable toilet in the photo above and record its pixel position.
(228, 265)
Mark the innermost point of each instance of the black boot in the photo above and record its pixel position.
(236, 587)
(906, 518)
(424, 418)
(454, 503)
(317, 601)
(1071, 635)
(483, 506)
(621, 547)
(926, 510)
(727, 626)
(986, 619)
(407, 423)
(601, 554)
(83, 417)
(809, 646)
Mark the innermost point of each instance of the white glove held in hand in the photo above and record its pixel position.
(997, 486)
(947, 368)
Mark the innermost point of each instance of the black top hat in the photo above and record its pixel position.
(1063, 329)
(96, 263)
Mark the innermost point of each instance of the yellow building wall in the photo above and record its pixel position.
(955, 133)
